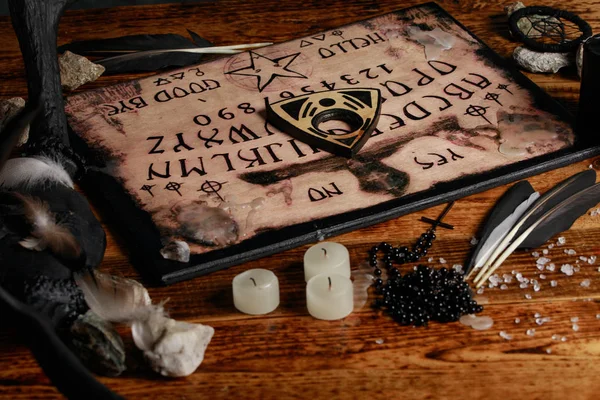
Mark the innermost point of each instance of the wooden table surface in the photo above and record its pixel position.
(288, 354)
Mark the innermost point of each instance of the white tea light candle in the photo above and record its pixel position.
(329, 296)
(326, 258)
(256, 291)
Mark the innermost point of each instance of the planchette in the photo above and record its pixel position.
(338, 121)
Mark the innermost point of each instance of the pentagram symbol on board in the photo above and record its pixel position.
(266, 69)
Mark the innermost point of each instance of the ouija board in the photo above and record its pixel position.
(187, 156)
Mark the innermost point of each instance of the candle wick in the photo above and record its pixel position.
(324, 251)
(329, 278)
(252, 279)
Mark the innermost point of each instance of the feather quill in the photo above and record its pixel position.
(502, 230)
(46, 232)
(116, 299)
(152, 61)
(505, 206)
(571, 208)
(549, 200)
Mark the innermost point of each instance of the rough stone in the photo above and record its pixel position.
(76, 70)
(511, 8)
(172, 348)
(176, 250)
(98, 344)
(534, 61)
(8, 109)
(523, 24)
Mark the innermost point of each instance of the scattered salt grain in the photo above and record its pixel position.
(517, 320)
(519, 276)
(550, 267)
(528, 296)
(551, 246)
(583, 258)
(591, 259)
(536, 287)
(571, 252)
(549, 351)
(590, 166)
(379, 341)
(474, 241)
(480, 290)
(504, 286)
(544, 252)
(475, 322)
(505, 335)
(575, 327)
(542, 261)
(507, 278)
(530, 332)
(567, 269)
(495, 279)
(535, 254)
(442, 261)
(537, 315)
(563, 339)
(542, 321)
(553, 283)
(458, 268)
(561, 241)
(597, 316)
(540, 267)
(555, 337)
(595, 212)
(574, 319)
(585, 283)
(523, 285)
(430, 259)
(542, 276)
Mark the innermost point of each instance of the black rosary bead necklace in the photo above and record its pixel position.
(423, 294)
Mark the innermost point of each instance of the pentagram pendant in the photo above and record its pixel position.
(338, 121)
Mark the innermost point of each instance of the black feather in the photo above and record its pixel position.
(514, 196)
(553, 197)
(561, 216)
(578, 182)
(114, 47)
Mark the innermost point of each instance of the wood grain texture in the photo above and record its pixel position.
(287, 354)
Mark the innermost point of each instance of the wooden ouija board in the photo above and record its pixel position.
(188, 155)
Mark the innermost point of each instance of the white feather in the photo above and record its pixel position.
(116, 299)
(502, 230)
(32, 243)
(27, 172)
